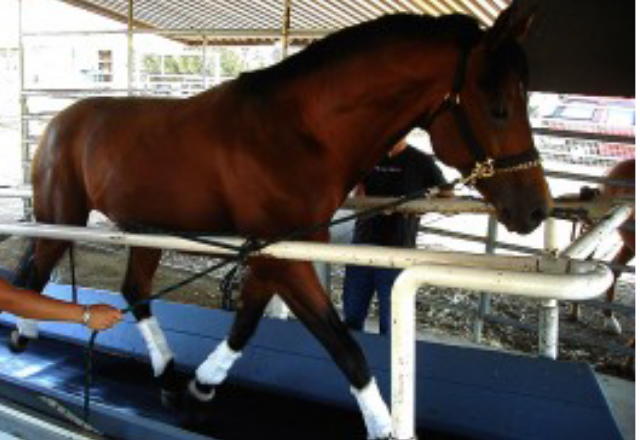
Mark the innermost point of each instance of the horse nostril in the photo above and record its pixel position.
(505, 215)
(538, 215)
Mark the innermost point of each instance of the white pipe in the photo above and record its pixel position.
(331, 253)
(451, 205)
(403, 331)
(586, 244)
(548, 311)
(16, 193)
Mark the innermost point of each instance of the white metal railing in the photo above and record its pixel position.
(293, 250)
(542, 277)
(548, 313)
(541, 285)
(596, 208)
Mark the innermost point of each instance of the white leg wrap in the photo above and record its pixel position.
(374, 411)
(28, 328)
(215, 368)
(157, 345)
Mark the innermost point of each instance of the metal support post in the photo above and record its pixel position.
(130, 52)
(548, 314)
(484, 306)
(24, 109)
(277, 308)
(204, 62)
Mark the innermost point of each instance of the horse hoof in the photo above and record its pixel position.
(612, 326)
(171, 399)
(201, 392)
(171, 389)
(17, 342)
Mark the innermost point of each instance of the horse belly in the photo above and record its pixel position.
(161, 192)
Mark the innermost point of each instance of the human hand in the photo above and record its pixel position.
(102, 317)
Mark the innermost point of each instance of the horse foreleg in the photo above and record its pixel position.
(302, 292)
(141, 267)
(256, 293)
(33, 273)
(611, 324)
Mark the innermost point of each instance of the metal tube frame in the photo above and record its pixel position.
(484, 305)
(543, 286)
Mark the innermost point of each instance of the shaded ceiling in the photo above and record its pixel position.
(575, 46)
(306, 15)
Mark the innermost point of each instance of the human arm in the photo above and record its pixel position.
(32, 305)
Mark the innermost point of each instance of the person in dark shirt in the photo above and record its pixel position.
(403, 171)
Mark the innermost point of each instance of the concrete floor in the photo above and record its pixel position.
(621, 395)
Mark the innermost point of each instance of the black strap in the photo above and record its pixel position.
(452, 102)
(515, 160)
(467, 133)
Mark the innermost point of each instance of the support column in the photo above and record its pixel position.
(130, 52)
(484, 306)
(25, 147)
(548, 313)
(277, 308)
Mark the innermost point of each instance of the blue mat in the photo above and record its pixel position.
(468, 392)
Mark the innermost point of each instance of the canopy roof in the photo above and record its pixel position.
(577, 46)
(253, 21)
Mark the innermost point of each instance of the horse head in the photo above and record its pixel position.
(482, 127)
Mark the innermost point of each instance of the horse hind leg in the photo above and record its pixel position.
(308, 301)
(59, 201)
(255, 295)
(611, 324)
(137, 284)
(33, 273)
(298, 285)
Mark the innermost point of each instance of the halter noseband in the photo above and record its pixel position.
(484, 166)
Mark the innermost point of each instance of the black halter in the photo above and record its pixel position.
(484, 166)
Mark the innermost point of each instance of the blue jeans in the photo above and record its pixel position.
(360, 283)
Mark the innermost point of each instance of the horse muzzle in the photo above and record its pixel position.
(523, 221)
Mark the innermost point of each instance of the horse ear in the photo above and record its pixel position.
(509, 24)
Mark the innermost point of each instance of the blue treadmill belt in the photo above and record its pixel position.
(238, 411)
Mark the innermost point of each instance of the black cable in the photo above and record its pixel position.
(249, 247)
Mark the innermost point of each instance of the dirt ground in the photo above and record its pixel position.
(440, 312)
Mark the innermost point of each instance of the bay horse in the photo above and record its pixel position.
(278, 149)
(622, 171)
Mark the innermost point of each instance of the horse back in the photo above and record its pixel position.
(214, 163)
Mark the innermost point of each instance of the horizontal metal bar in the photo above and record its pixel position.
(16, 192)
(267, 34)
(342, 254)
(454, 205)
(586, 243)
(480, 239)
(590, 179)
(621, 139)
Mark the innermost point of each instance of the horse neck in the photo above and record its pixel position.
(359, 108)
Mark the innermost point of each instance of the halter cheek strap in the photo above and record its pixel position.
(484, 166)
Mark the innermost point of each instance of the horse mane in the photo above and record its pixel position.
(324, 53)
